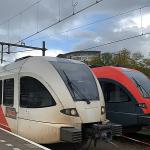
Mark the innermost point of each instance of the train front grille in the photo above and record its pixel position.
(70, 134)
(116, 129)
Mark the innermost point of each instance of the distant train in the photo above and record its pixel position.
(127, 96)
(50, 100)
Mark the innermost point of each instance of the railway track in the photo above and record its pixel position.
(136, 141)
(139, 138)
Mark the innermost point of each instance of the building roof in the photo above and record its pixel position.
(79, 52)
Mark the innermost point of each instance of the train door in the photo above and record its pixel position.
(120, 106)
(10, 103)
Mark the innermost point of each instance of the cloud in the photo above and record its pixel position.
(134, 23)
(50, 52)
(83, 34)
(47, 12)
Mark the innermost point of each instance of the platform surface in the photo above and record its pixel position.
(10, 141)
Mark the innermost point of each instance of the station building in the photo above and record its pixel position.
(84, 56)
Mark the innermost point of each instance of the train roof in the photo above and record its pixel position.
(112, 72)
(32, 60)
(114, 68)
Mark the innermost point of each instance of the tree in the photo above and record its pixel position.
(107, 59)
(147, 62)
(96, 61)
(137, 56)
(123, 58)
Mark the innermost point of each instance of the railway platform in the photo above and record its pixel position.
(10, 141)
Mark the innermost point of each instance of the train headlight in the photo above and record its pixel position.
(70, 112)
(67, 111)
(142, 105)
(103, 110)
(73, 112)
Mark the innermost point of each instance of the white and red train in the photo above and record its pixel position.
(49, 100)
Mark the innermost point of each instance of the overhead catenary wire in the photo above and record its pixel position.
(37, 2)
(62, 20)
(21, 12)
(108, 18)
(101, 20)
(74, 13)
(116, 41)
(104, 44)
(97, 1)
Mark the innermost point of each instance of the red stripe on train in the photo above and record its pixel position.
(3, 121)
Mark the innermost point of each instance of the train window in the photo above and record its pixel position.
(33, 94)
(113, 92)
(141, 81)
(79, 80)
(0, 91)
(8, 94)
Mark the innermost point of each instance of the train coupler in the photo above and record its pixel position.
(102, 132)
(96, 132)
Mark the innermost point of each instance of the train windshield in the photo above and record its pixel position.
(141, 81)
(79, 80)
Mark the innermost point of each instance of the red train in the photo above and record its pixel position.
(127, 96)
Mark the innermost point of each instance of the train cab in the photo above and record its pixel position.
(51, 100)
(127, 96)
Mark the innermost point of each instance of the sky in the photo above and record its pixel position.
(104, 22)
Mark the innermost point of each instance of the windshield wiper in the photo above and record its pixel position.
(69, 83)
(141, 87)
(75, 89)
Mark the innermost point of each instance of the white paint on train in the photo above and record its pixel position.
(50, 94)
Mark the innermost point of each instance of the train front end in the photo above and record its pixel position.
(66, 102)
(127, 96)
(83, 104)
(141, 93)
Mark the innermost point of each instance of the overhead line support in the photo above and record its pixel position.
(43, 49)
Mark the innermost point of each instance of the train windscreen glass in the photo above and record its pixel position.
(142, 82)
(78, 79)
